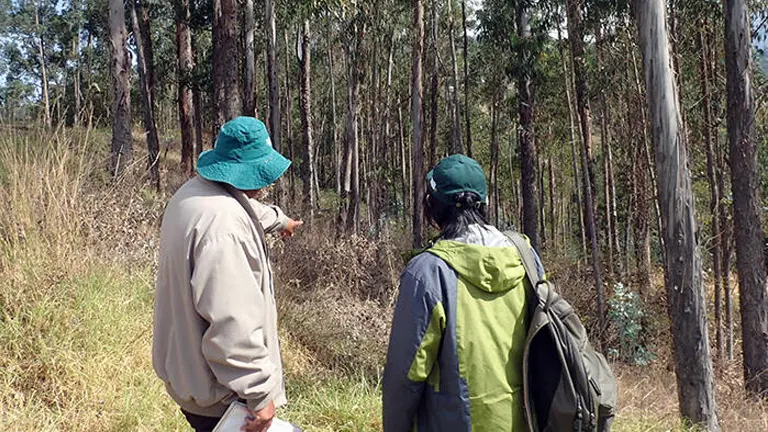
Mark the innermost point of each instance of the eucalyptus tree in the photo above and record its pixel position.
(120, 70)
(750, 237)
(685, 295)
(227, 99)
(508, 25)
(185, 64)
(417, 95)
(147, 95)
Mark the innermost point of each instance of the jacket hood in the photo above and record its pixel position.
(491, 269)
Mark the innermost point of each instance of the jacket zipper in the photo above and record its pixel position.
(526, 392)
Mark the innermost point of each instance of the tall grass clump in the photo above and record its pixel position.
(75, 324)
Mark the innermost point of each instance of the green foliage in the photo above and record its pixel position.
(626, 313)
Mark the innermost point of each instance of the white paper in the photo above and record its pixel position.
(234, 419)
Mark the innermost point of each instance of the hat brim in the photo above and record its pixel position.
(243, 175)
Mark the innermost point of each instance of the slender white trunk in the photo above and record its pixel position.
(685, 295)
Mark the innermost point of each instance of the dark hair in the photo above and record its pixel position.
(453, 218)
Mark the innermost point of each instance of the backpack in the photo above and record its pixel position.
(567, 385)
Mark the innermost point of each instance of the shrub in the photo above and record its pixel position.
(626, 313)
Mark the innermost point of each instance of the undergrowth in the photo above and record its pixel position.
(77, 260)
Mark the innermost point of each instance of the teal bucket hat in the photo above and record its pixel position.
(243, 156)
(455, 174)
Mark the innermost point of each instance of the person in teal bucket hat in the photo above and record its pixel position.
(215, 321)
(243, 156)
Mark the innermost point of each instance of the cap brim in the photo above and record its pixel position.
(243, 175)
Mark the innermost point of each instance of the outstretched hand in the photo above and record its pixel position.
(290, 228)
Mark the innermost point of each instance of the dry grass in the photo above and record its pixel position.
(77, 254)
(648, 401)
(75, 323)
(335, 296)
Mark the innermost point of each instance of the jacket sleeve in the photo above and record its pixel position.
(228, 295)
(271, 217)
(417, 330)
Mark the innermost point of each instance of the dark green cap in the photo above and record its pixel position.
(456, 174)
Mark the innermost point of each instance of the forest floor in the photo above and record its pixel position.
(77, 259)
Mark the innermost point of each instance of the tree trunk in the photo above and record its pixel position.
(612, 204)
(403, 162)
(540, 172)
(149, 53)
(646, 142)
(552, 206)
(89, 78)
(274, 89)
(714, 201)
(526, 130)
(725, 208)
(675, 40)
(273, 85)
(727, 244)
(642, 225)
(605, 141)
(576, 38)
(120, 69)
(388, 149)
(349, 211)
(374, 178)
(78, 94)
(43, 69)
(336, 149)
(573, 9)
(226, 88)
(198, 110)
(687, 306)
(185, 98)
(353, 225)
(750, 238)
(197, 102)
(308, 146)
(288, 99)
(153, 145)
(417, 147)
(567, 77)
(433, 91)
(387, 146)
(642, 169)
(249, 95)
(628, 228)
(456, 145)
(345, 199)
(467, 124)
(608, 215)
(493, 178)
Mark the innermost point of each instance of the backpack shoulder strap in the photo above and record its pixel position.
(243, 201)
(527, 255)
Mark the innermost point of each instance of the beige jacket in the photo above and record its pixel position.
(215, 323)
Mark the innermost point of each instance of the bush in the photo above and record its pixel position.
(626, 313)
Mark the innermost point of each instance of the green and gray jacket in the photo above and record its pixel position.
(455, 352)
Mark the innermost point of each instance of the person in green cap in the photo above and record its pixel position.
(455, 353)
(215, 320)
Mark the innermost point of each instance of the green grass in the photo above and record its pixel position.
(78, 359)
(76, 302)
(336, 403)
